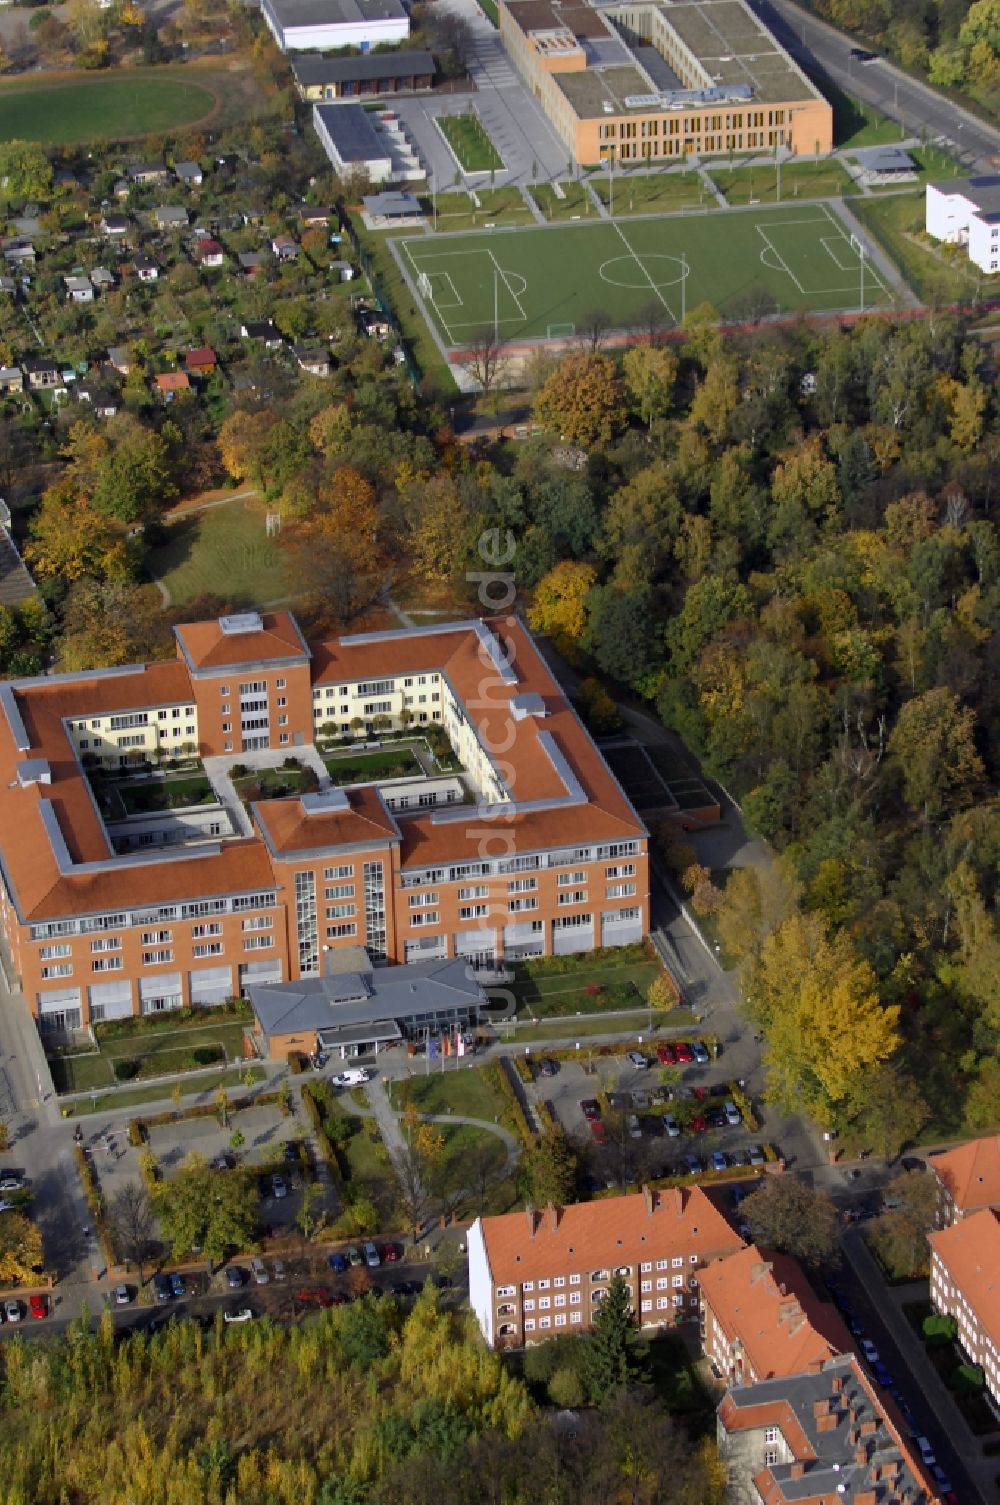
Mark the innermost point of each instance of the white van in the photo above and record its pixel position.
(354, 1076)
(258, 1270)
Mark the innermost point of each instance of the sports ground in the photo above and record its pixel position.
(88, 109)
(545, 283)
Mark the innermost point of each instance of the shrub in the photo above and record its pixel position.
(524, 1069)
(291, 763)
(206, 1055)
(136, 1133)
(239, 771)
(125, 1068)
(296, 1064)
(938, 1329)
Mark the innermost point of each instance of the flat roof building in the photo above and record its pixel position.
(538, 853)
(365, 77)
(305, 25)
(966, 212)
(351, 141)
(661, 82)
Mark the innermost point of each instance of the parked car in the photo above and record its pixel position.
(11, 1181)
(755, 1154)
(238, 1314)
(590, 1109)
(634, 1126)
(318, 1060)
(38, 1305)
(733, 1115)
(719, 1161)
(338, 1264)
(547, 1067)
(280, 1187)
(258, 1270)
(162, 1288)
(234, 1277)
(641, 1101)
(861, 55)
(925, 1450)
(12, 1311)
(598, 1132)
(372, 1257)
(354, 1257)
(869, 1350)
(716, 1118)
(700, 1052)
(122, 1296)
(693, 1165)
(738, 1157)
(671, 1127)
(637, 1059)
(290, 1151)
(278, 1269)
(882, 1375)
(698, 1124)
(221, 1163)
(666, 1055)
(390, 1254)
(354, 1076)
(685, 1055)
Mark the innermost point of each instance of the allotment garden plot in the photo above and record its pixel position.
(545, 283)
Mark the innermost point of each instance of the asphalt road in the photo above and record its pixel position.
(917, 107)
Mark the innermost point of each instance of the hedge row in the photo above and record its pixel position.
(512, 1115)
(742, 1101)
(327, 1148)
(95, 1202)
(208, 1110)
(545, 1116)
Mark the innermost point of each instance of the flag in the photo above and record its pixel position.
(460, 1046)
(447, 1045)
(432, 1048)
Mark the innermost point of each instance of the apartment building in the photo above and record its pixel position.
(531, 849)
(965, 1284)
(534, 1274)
(815, 1438)
(966, 212)
(653, 82)
(968, 1179)
(761, 1318)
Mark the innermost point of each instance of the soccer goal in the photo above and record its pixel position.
(560, 331)
(424, 286)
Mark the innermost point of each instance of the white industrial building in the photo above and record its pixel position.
(321, 25)
(966, 212)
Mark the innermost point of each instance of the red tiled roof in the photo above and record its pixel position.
(198, 360)
(206, 646)
(970, 1250)
(290, 829)
(601, 1235)
(172, 381)
(766, 1302)
(971, 1173)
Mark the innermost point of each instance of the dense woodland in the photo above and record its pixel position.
(359, 1405)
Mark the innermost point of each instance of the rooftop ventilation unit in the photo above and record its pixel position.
(241, 623)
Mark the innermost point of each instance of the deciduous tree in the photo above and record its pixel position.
(558, 607)
(20, 1250)
(933, 745)
(583, 400)
(786, 1213)
(206, 1207)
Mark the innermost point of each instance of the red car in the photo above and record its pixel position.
(598, 1132)
(590, 1110)
(390, 1254)
(698, 1125)
(38, 1306)
(684, 1052)
(313, 1296)
(666, 1055)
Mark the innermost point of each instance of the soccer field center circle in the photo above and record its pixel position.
(645, 271)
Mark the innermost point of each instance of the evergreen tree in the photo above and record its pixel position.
(610, 1366)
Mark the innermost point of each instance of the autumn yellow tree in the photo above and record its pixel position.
(822, 1018)
(559, 606)
(20, 1250)
(71, 541)
(933, 745)
(437, 527)
(583, 400)
(650, 376)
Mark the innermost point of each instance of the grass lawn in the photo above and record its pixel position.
(158, 1055)
(223, 551)
(93, 108)
(464, 1091)
(896, 221)
(576, 202)
(419, 340)
(857, 124)
(497, 206)
(275, 783)
(470, 143)
(799, 180)
(675, 1379)
(592, 1024)
(553, 995)
(653, 193)
(165, 794)
(489, 8)
(133, 1097)
(392, 763)
(549, 279)
(932, 163)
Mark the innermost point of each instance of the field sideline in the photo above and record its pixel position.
(546, 282)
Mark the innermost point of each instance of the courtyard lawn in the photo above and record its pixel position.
(551, 995)
(274, 783)
(223, 551)
(464, 1091)
(160, 1054)
(935, 273)
(654, 192)
(94, 108)
(674, 1376)
(758, 183)
(165, 794)
(548, 280)
(470, 143)
(391, 763)
(575, 203)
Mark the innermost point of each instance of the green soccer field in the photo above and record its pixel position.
(89, 109)
(540, 283)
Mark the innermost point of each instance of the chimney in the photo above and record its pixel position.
(552, 1214)
(861, 1456)
(679, 1201)
(529, 1213)
(838, 1382)
(869, 1427)
(826, 1423)
(821, 1407)
(797, 1470)
(649, 1199)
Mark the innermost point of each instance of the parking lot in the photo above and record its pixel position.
(631, 1120)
